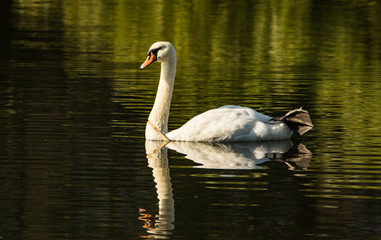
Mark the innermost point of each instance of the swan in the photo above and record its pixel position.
(224, 124)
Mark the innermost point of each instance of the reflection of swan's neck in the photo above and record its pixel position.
(158, 161)
(160, 111)
(164, 194)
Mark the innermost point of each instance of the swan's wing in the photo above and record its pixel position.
(215, 125)
(228, 123)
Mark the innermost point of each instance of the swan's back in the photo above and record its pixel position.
(230, 123)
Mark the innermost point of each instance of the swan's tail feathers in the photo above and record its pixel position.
(298, 120)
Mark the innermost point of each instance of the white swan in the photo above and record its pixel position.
(224, 124)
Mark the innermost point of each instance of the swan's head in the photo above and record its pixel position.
(160, 52)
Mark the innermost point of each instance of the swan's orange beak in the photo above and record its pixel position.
(150, 59)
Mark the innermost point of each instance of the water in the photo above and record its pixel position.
(73, 157)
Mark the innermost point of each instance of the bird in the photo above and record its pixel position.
(230, 123)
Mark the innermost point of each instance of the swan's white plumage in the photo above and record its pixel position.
(230, 123)
(227, 123)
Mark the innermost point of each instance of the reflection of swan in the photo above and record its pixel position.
(243, 155)
(227, 123)
(158, 161)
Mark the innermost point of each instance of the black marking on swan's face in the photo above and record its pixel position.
(154, 51)
(152, 57)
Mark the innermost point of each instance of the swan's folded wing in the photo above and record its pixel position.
(229, 123)
(214, 125)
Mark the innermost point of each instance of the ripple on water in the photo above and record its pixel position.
(356, 177)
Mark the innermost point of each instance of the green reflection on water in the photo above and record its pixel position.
(269, 55)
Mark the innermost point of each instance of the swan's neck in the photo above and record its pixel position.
(160, 111)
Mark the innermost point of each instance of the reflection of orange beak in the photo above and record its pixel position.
(150, 59)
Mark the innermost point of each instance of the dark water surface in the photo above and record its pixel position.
(74, 105)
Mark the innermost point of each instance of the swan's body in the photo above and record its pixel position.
(230, 123)
(224, 124)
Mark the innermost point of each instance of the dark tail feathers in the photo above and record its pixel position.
(298, 120)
